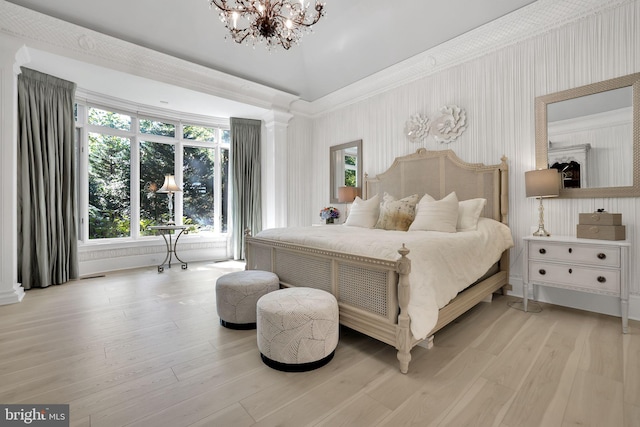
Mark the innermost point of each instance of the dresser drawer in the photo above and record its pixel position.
(585, 278)
(575, 253)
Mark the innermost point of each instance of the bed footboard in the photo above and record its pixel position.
(373, 294)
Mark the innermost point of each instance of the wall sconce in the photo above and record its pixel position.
(170, 187)
(542, 183)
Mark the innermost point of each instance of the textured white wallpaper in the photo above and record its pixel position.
(498, 92)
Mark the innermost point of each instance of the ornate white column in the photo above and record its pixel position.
(10, 290)
(275, 155)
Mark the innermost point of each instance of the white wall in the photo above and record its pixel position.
(498, 92)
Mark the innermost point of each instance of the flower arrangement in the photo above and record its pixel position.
(329, 214)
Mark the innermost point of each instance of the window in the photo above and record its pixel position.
(152, 127)
(110, 119)
(156, 160)
(350, 170)
(198, 188)
(204, 177)
(127, 157)
(109, 170)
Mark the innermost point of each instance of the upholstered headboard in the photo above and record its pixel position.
(438, 173)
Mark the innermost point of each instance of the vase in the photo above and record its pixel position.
(329, 221)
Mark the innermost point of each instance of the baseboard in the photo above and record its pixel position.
(13, 296)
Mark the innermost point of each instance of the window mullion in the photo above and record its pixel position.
(217, 177)
(178, 172)
(83, 176)
(135, 179)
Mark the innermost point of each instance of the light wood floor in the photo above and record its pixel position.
(145, 349)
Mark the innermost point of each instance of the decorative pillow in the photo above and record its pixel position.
(469, 213)
(436, 215)
(397, 214)
(363, 213)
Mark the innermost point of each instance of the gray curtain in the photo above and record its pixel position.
(47, 230)
(246, 182)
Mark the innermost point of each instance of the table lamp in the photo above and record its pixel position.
(542, 183)
(347, 195)
(170, 187)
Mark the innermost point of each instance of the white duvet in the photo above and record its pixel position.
(442, 264)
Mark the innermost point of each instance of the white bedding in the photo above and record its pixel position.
(442, 264)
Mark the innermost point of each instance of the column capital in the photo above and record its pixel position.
(277, 117)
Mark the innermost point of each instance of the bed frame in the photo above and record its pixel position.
(373, 294)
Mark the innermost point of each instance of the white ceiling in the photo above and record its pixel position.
(355, 39)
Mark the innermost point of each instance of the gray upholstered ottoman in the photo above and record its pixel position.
(237, 294)
(297, 328)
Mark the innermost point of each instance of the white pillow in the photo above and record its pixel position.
(364, 213)
(469, 213)
(436, 215)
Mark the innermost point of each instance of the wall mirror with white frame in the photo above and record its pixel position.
(345, 167)
(591, 134)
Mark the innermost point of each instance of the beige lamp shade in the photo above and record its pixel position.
(169, 185)
(347, 194)
(542, 183)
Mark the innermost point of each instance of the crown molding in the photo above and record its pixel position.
(530, 21)
(50, 34)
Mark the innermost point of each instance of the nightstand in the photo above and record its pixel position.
(586, 265)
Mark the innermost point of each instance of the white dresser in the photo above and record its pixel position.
(585, 265)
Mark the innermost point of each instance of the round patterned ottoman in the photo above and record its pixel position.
(237, 294)
(297, 328)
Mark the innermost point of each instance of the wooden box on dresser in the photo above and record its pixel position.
(586, 265)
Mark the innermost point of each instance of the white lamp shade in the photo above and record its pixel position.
(347, 194)
(542, 183)
(169, 185)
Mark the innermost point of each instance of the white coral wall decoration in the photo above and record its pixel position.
(417, 127)
(445, 126)
(449, 125)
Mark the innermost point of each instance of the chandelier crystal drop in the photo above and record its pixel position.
(274, 22)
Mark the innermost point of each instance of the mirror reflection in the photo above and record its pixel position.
(591, 134)
(345, 165)
(590, 139)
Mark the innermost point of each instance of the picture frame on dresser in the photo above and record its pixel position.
(599, 267)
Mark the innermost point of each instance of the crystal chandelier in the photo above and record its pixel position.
(276, 22)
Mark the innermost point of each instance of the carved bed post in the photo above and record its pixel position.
(504, 190)
(403, 330)
(504, 216)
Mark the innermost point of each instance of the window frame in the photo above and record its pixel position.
(83, 128)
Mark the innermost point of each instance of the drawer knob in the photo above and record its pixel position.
(542, 271)
(570, 250)
(543, 251)
(570, 270)
(602, 279)
(602, 256)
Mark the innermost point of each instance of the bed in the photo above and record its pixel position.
(375, 287)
